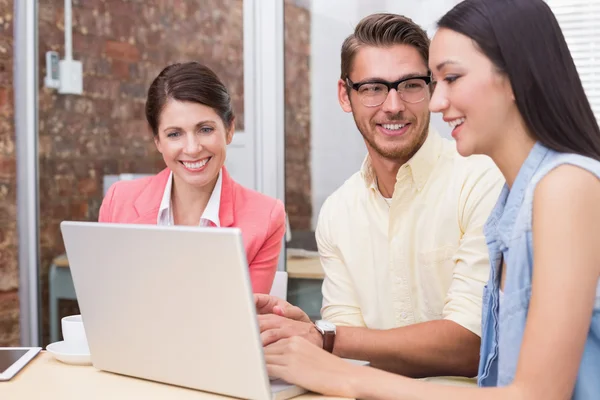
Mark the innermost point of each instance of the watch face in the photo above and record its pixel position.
(325, 325)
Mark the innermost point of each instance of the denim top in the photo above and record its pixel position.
(508, 233)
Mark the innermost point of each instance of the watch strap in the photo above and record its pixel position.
(328, 341)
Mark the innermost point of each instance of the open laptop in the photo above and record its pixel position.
(171, 304)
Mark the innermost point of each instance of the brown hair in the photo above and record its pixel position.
(383, 30)
(191, 82)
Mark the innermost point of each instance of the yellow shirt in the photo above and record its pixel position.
(420, 258)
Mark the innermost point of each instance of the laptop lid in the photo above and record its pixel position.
(170, 304)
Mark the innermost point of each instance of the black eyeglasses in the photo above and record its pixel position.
(373, 93)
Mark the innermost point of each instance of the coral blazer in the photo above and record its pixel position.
(260, 218)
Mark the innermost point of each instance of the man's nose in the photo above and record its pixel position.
(393, 102)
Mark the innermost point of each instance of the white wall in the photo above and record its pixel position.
(337, 148)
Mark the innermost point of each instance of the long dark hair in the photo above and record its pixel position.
(522, 39)
(190, 81)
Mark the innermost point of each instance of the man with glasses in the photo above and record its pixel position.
(401, 241)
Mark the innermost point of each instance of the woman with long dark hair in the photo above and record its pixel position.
(507, 85)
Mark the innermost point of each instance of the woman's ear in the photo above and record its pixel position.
(157, 143)
(230, 131)
(507, 87)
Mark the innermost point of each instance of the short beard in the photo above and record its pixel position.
(402, 154)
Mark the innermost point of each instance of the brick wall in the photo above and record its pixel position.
(297, 115)
(123, 44)
(9, 278)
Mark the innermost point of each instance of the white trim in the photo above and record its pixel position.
(246, 138)
(26, 128)
(264, 95)
(68, 30)
(264, 91)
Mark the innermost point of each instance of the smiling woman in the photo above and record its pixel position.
(189, 111)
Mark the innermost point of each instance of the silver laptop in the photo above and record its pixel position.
(171, 304)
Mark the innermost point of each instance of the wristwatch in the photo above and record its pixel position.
(327, 330)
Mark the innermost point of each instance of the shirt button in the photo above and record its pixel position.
(403, 315)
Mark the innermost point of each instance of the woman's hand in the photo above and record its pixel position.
(299, 362)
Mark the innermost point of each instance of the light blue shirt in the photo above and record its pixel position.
(509, 237)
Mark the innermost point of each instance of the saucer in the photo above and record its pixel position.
(63, 352)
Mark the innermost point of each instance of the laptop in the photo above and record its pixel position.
(171, 304)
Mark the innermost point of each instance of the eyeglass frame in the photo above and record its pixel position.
(390, 85)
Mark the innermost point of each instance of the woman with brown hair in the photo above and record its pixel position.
(189, 111)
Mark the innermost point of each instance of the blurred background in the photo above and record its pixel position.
(60, 149)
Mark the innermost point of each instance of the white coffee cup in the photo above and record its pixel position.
(74, 333)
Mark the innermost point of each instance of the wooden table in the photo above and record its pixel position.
(48, 379)
(304, 268)
(297, 267)
(61, 261)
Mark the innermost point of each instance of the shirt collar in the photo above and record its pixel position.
(165, 203)
(419, 167)
(211, 211)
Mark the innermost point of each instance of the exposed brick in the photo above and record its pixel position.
(93, 65)
(122, 51)
(297, 116)
(121, 69)
(123, 28)
(47, 11)
(88, 186)
(6, 72)
(9, 318)
(79, 211)
(83, 106)
(53, 39)
(8, 250)
(92, 22)
(6, 101)
(120, 8)
(7, 168)
(7, 138)
(9, 279)
(87, 45)
(123, 45)
(102, 88)
(133, 90)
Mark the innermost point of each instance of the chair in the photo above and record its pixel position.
(280, 283)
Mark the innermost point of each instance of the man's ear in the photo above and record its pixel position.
(344, 96)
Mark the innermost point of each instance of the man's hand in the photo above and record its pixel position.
(266, 304)
(274, 328)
